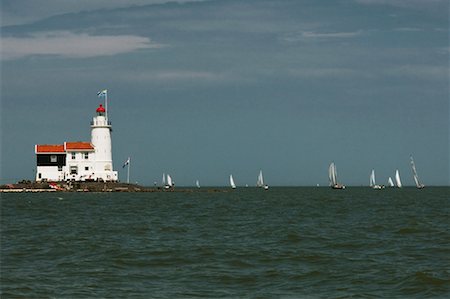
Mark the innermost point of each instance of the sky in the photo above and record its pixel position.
(205, 89)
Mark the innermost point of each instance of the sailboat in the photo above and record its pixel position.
(260, 181)
(397, 179)
(169, 183)
(390, 182)
(416, 177)
(372, 182)
(332, 174)
(197, 183)
(232, 184)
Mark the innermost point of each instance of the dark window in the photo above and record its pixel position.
(86, 168)
(73, 156)
(86, 156)
(49, 160)
(40, 175)
(73, 170)
(59, 168)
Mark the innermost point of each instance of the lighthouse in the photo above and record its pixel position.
(101, 140)
(79, 161)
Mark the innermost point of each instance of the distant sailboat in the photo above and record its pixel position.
(332, 174)
(197, 183)
(397, 179)
(416, 177)
(390, 182)
(260, 181)
(372, 182)
(168, 182)
(232, 184)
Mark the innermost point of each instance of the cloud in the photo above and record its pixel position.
(330, 35)
(429, 72)
(415, 4)
(177, 75)
(192, 75)
(71, 45)
(327, 72)
(443, 51)
(15, 12)
(408, 29)
(402, 2)
(310, 35)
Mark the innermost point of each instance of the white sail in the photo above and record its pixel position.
(163, 181)
(197, 183)
(260, 180)
(397, 179)
(416, 180)
(169, 181)
(390, 182)
(232, 184)
(332, 174)
(372, 182)
(372, 178)
(415, 176)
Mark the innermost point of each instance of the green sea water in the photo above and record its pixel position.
(246, 243)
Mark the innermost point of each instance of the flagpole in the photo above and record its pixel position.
(128, 170)
(106, 105)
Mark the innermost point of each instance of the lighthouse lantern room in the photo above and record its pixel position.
(79, 161)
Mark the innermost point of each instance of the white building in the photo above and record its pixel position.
(79, 161)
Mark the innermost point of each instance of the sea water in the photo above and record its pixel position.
(243, 243)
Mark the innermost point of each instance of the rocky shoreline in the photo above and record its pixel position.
(31, 186)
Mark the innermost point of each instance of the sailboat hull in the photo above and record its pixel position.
(338, 186)
(378, 187)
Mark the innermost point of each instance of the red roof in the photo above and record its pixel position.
(76, 146)
(100, 108)
(49, 148)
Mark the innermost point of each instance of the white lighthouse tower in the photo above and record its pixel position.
(101, 140)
